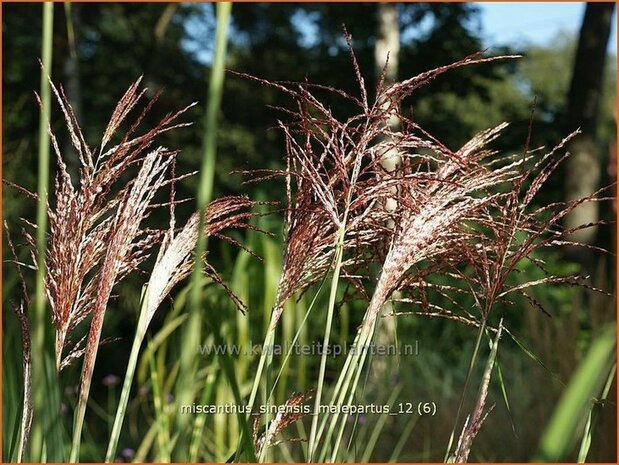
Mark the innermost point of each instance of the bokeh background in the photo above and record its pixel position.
(100, 49)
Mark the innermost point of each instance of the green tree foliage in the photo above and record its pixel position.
(172, 46)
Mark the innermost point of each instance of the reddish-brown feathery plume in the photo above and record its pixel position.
(81, 221)
(95, 233)
(432, 207)
(176, 254)
(286, 415)
(513, 231)
(126, 248)
(335, 180)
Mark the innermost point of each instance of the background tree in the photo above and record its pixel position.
(584, 167)
(171, 45)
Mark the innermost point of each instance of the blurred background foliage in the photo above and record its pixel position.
(172, 45)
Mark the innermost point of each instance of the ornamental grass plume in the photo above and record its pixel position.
(337, 217)
(24, 323)
(126, 247)
(335, 179)
(85, 218)
(175, 258)
(96, 237)
(175, 262)
(465, 214)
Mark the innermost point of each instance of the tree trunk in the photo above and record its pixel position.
(584, 166)
(387, 48)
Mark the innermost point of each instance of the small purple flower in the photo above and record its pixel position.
(111, 380)
(169, 398)
(360, 418)
(127, 452)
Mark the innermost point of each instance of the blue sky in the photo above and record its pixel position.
(502, 23)
(532, 22)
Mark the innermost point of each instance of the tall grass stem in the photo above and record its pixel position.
(39, 342)
(323, 360)
(192, 332)
(126, 389)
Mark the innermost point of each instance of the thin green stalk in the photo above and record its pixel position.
(266, 346)
(339, 251)
(586, 385)
(124, 396)
(376, 430)
(585, 443)
(408, 429)
(270, 295)
(297, 335)
(227, 366)
(198, 428)
(192, 333)
(269, 339)
(163, 433)
(303, 341)
(341, 387)
(39, 321)
(482, 329)
(354, 369)
(70, 30)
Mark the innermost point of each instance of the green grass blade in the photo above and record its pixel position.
(357, 369)
(225, 361)
(585, 444)
(198, 429)
(126, 389)
(377, 430)
(40, 344)
(297, 335)
(503, 388)
(163, 430)
(192, 329)
(406, 432)
(533, 357)
(323, 359)
(574, 405)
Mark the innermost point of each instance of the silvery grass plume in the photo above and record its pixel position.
(95, 232)
(84, 219)
(175, 261)
(286, 415)
(508, 230)
(335, 179)
(432, 207)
